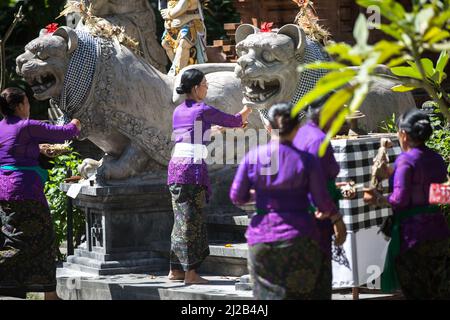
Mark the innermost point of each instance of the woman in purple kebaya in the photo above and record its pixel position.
(416, 258)
(309, 139)
(285, 256)
(27, 253)
(188, 176)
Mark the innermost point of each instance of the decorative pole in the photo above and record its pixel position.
(18, 17)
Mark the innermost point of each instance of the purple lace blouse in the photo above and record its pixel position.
(19, 146)
(282, 195)
(414, 171)
(191, 124)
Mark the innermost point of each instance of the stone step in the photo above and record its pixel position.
(226, 259)
(82, 252)
(228, 226)
(96, 267)
(228, 218)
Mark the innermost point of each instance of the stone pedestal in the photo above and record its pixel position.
(127, 229)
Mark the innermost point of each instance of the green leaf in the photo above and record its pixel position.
(432, 33)
(327, 65)
(428, 67)
(391, 10)
(342, 50)
(331, 81)
(439, 37)
(406, 72)
(422, 20)
(392, 31)
(398, 61)
(442, 61)
(359, 97)
(402, 88)
(333, 104)
(334, 129)
(361, 31)
(387, 49)
(441, 18)
(337, 75)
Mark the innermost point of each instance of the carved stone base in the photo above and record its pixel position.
(124, 225)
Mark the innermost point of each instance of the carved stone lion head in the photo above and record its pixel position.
(267, 64)
(45, 61)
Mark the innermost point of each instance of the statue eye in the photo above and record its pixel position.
(268, 56)
(41, 55)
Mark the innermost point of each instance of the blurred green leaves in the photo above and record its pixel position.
(409, 36)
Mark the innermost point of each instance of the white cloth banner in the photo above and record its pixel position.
(366, 252)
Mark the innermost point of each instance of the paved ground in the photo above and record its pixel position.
(77, 285)
(83, 286)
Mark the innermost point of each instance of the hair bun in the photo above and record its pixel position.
(180, 90)
(421, 130)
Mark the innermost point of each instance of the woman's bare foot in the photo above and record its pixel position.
(192, 277)
(176, 275)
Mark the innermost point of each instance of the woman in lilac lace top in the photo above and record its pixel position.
(284, 243)
(188, 176)
(27, 253)
(417, 255)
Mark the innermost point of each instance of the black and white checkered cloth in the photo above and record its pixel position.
(80, 74)
(355, 157)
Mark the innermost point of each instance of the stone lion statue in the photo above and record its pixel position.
(124, 103)
(267, 67)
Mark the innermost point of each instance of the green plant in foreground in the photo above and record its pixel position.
(58, 200)
(424, 29)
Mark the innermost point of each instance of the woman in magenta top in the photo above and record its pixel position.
(188, 175)
(284, 243)
(309, 139)
(417, 256)
(27, 253)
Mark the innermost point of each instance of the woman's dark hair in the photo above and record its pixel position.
(10, 98)
(416, 124)
(190, 79)
(280, 118)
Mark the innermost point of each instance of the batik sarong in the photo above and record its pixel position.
(27, 247)
(189, 239)
(286, 270)
(422, 271)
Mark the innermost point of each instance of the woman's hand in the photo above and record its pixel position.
(245, 112)
(321, 215)
(374, 197)
(340, 232)
(77, 123)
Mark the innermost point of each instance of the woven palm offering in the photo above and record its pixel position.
(54, 150)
